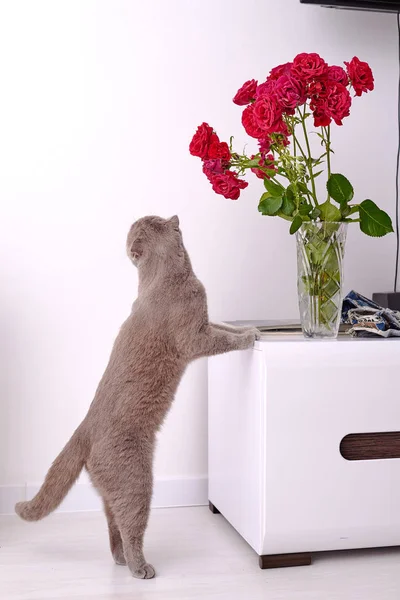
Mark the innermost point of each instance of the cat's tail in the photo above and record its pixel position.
(61, 476)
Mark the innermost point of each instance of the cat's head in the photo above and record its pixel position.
(151, 236)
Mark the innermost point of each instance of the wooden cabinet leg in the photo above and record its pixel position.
(276, 561)
(213, 509)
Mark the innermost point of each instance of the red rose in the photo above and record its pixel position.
(332, 102)
(318, 89)
(266, 89)
(360, 75)
(227, 184)
(321, 119)
(337, 73)
(267, 163)
(279, 139)
(250, 124)
(309, 66)
(290, 93)
(219, 149)
(338, 102)
(260, 174)
(265, 146)
(267, 113)
(202, 140)
(280, 70)
(246, 93)
(280, 128)
(211, 167)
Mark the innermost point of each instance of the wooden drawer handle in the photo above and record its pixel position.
(371, 446)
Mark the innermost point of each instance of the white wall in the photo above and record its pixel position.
(99, 99)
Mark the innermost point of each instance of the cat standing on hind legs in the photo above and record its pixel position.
(167, 329)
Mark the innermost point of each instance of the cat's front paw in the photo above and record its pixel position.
(251, 328)
(251, 336)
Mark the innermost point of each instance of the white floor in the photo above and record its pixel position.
(197, 555)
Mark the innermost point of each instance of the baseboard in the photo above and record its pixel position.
(168, 492)
(9, 496)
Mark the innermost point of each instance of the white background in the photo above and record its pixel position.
(99, 100)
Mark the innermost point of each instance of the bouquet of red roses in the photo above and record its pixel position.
(277, 112)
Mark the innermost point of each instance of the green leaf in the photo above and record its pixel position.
(303, 188)
(254, 162)
(329, 212)
(374, 221)
(288, 204)
(280, 214)
(273, 188)
(305, 209)
(269, 205)
(340, 188)
(291, 192)
(318, 173)
(315, 213)
(296, 224)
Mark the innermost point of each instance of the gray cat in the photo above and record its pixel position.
(167, 329)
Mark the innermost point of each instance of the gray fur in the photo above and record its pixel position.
(167, 329)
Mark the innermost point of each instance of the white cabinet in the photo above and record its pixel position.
(277, 416)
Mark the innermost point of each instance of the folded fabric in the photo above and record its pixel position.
(368, 319)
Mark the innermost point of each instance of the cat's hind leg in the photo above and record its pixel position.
(121, 469)
(116, 546)
(132, 511)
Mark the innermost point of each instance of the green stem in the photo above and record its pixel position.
(312, 194)
(296, 141)
(294, 138)
(309, 164)
(328, 152)
(328, 149)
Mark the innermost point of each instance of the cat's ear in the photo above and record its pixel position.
(136, 249)
(174, 221)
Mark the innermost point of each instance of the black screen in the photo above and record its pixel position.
(375, 5)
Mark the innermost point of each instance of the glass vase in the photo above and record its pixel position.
(320, 253)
